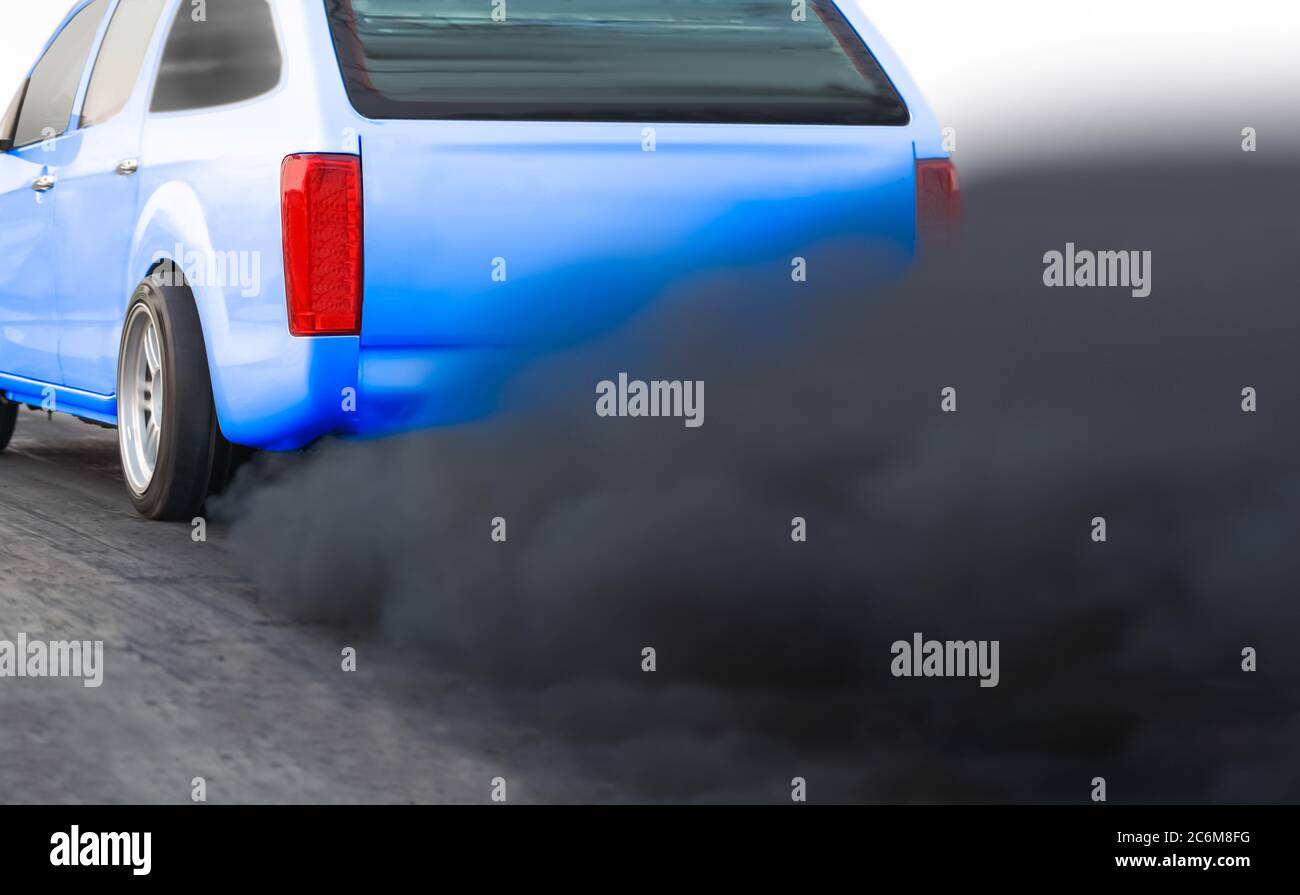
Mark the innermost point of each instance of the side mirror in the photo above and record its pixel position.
(5, 144)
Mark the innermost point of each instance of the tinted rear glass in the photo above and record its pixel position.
(218, 52)
(728, 61)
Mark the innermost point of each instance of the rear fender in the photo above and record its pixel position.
(271, 390)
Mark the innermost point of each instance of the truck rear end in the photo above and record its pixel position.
(535, 174)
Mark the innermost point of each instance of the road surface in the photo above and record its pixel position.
(200, 679)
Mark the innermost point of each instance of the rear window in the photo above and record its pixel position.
(218, 52)
(724, 61)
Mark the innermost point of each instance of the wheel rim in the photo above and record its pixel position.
(140, 399)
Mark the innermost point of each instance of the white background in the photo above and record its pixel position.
(1027, 79)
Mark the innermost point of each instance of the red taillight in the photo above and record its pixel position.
(938, 202)
(320, 204)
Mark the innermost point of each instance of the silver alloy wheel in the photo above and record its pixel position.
(140, 398)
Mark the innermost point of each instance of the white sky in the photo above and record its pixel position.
(1024, 78)
(1027, 78)
(27, 25)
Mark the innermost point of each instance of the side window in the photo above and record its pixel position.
(10, 120)
(118, 66)
(220, 52)
(54, 82)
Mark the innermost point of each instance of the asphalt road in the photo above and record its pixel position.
(200, 679)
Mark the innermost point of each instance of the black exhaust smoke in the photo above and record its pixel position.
(1119, 658)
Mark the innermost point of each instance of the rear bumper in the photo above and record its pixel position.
(415, 388)
(286, 392)
(336, 385)
(333, 386)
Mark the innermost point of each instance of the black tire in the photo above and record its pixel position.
(192, 453)
(8, 416)
(225, 464)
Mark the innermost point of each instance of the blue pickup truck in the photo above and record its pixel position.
(250, 224)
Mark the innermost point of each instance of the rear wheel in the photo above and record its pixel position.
(173, 453)
(8, 416)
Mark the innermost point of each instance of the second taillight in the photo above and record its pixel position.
(320, 203)
(938, 202)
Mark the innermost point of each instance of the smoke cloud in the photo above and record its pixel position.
(1119, 659)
